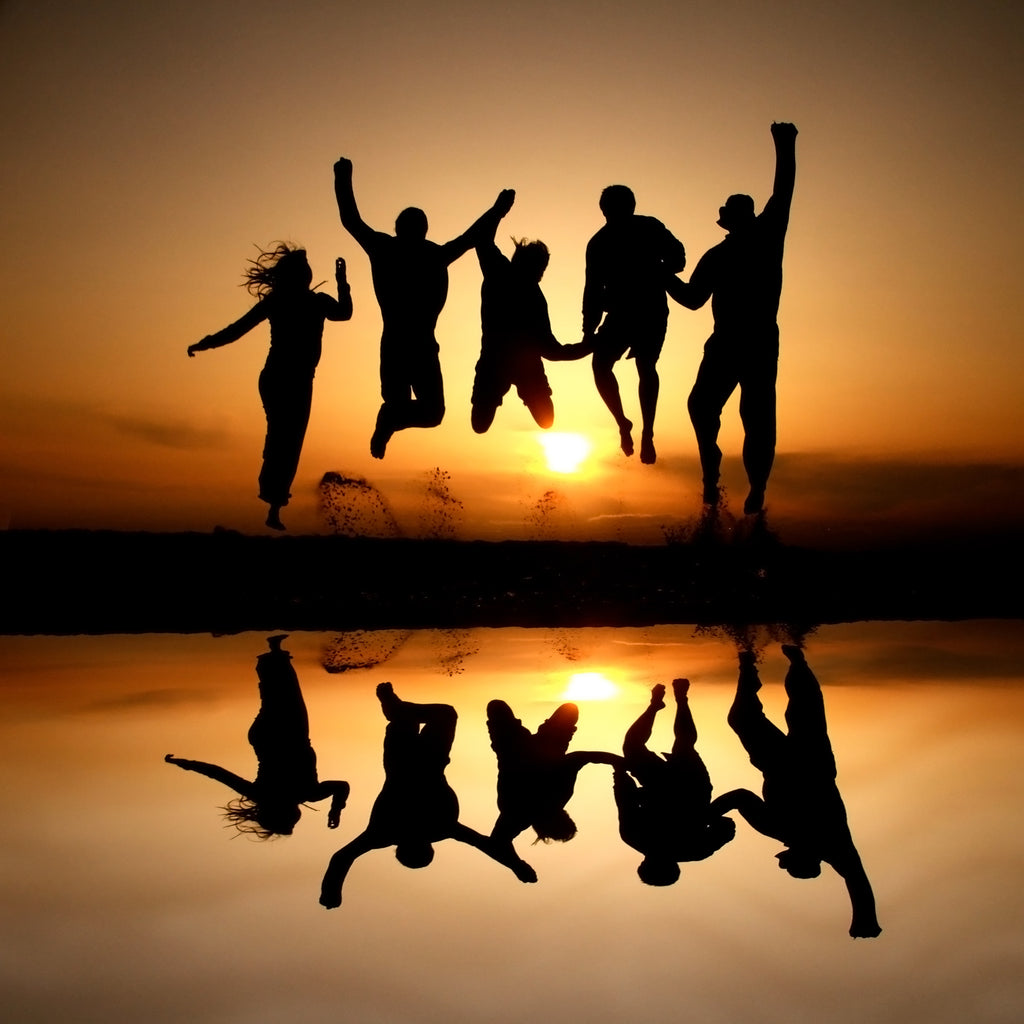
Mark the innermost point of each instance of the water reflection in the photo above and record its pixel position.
(286, 775)
(416, 807)
(801, 805)
(156, 906)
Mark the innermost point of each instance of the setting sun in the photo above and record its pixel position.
(590, 686)
(564, 452)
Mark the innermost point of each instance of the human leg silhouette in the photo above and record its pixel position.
(684, 729)
(287, 405)
(716, 381)
(555, 733)
(649, 386)
(608, 389)
(634, 745)
(761, 738)
(757, 413)
(805, 712)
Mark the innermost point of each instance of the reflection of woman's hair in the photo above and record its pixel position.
(263, 821)
(555, 826)
(270, 268)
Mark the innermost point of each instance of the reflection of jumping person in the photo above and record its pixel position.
(516, 331)
(668, 817)
(627, 263)
(286, 776)
(536, 774)
(801, 805)
(742, 276)
(281, 279)
(416, 807)
(410, 280)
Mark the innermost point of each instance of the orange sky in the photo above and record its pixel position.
(146, 150)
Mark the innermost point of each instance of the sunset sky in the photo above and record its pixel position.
(147, 149)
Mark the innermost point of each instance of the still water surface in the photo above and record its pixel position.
(127, 897)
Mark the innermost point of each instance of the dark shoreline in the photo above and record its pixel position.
(77, 581)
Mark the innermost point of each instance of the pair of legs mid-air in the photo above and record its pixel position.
(611, 345)
(492, 383)
(726, 366)
(411, 389)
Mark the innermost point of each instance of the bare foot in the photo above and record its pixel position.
(680, 687)
(712, 494)
(626, 437)
(379, 442)
(658, 697)
(754, 502)
(648, 456)
(794, 653)
(274, 518)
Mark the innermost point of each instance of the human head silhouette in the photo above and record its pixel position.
(414, 854)
(617, 202)
(658, 870)
(737, 213)
(411, 224)
(284, 268)
(265, 819)
(555, 825)
(799, 863)
(531, 258)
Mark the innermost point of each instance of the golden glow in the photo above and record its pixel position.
(564, 452)
(590, 686)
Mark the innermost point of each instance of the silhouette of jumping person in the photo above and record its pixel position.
(536, 774)
(627, 263)
(666, 813)
(516, 330)
(410, 280)
(742, 276)
(281, 279)
(800, 804)
(286, 775)
(416, 807)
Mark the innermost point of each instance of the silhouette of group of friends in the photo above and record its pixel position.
(631, 266)
(664, 801)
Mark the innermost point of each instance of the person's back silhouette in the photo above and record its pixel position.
(410, 280)
(800, 804)
(281, 279)
(742, 276)
(628, 261)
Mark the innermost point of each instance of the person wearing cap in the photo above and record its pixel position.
(742, 276)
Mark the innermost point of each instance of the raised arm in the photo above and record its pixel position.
(338, 868)
(232, 332)
(784, 135)
(347, 209)
(482, 229)
(342, 308)
(338, 792)
(241, 786)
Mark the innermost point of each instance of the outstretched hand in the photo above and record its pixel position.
(783, 131)
(506, 197)
(192, 351)
(343, 167)
(339, 268)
